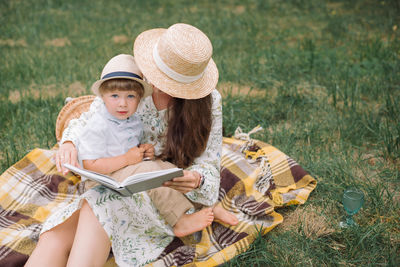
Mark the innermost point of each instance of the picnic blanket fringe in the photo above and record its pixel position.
(256, 179)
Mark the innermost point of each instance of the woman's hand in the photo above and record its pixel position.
(148, 151)
(67, 153)
(189, 181)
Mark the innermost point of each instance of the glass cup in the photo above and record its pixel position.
(352, 200)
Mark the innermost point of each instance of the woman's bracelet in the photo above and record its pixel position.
(201, 181)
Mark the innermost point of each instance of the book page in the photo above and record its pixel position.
(136, 178)
(101, 178)
(156, 179)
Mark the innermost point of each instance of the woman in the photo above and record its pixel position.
(183, 119)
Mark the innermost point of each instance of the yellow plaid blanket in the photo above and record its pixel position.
(32, 189)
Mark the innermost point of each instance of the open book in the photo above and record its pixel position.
(132, 184)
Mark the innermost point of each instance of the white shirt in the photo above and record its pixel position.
(105, 136)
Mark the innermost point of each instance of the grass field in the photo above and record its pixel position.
(321, 77)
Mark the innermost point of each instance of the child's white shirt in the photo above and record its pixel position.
(105, 136)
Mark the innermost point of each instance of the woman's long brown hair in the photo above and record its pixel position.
(189, 126)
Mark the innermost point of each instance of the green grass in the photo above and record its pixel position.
(327, 78)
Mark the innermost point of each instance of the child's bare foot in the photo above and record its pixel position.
(224, 216)
(191, 223)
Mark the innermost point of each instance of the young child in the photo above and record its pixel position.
(111, 138)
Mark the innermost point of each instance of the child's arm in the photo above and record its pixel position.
(112, 164)
(148, 150)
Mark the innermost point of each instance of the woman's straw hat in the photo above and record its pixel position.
(72, 110)
(122, 66)
(177, 60)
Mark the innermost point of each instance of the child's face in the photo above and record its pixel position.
(121, 104)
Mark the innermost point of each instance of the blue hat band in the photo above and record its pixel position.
(121, 74)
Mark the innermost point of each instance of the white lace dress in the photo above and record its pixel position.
(137, 232)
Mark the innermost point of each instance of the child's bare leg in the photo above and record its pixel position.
(91, 244)
(224, 216)
(190, 223)
(54, 245)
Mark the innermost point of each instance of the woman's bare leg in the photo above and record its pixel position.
(54, 245)
(91, 245)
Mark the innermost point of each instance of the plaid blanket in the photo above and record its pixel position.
(32, 189)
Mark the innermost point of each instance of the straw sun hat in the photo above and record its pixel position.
(122, 66)
(177, 60)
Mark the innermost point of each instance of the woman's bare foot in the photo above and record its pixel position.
(224, 216)
(191, 223)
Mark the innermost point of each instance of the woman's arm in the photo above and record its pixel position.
(67, 152)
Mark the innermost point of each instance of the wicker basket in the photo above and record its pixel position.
(72, 110)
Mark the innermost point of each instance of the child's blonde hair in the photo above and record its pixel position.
(121, 85)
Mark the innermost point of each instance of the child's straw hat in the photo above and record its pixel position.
(122, 66)
(177, 60)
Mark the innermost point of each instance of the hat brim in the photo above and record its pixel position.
(143, 53)
(148, 90)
